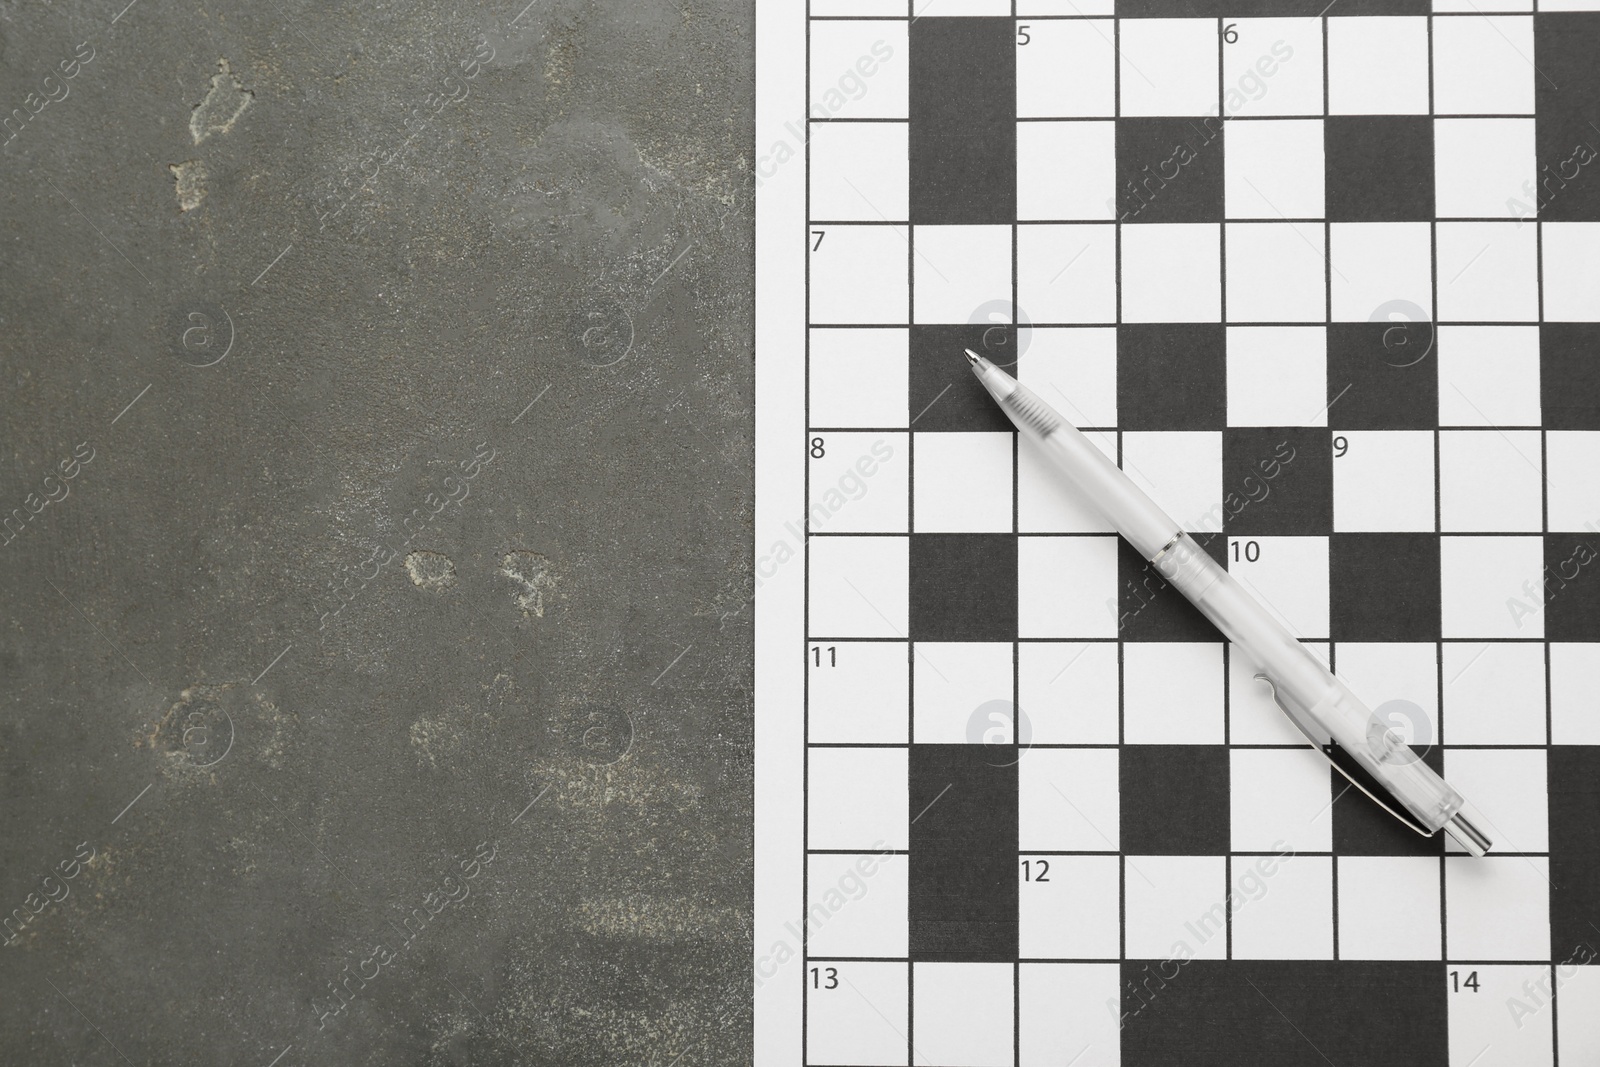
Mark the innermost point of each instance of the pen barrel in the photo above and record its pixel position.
(1320, 705)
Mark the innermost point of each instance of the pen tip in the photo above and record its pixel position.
(972, 357)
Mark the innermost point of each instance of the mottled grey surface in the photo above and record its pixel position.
(377, 436)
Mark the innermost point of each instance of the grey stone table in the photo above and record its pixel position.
(375, 582)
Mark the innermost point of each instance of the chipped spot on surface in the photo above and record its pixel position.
(431, 570)
(190, 176)
(223, 105)
(531, 571)
(656, 918)
(432, 738)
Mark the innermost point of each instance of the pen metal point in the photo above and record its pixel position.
(972, 357)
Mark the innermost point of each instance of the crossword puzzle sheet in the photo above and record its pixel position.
(1323, 278)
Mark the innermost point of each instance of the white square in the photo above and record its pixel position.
(1573, 457)
(1279, 799)
(1397, 681)
(1374, 263)
(1067, 800)
(858, 8)
(1068, 691)
(1494, 693)
(1176, 901)
(1490, 481)
(859, 69)
(1507, 795)
(1488, 272)
(1070, 907)
(963, 1013)
(1383, 482)
(1578, 1029)
(860, 171)
(858, 275)
(1497, 907)
(1277, 272)
(1480, 166)
(1171, 272)
(1169, 66)
(1066, 170)
(860, 693)
(967, 8)
(1483, 1032)
(1283, 909)
(1067, 587)
(1289, 576)
(859, 377)
(1067, 273)
(1574, 680)
(1044, 504)
(1491, 586)
(1065, 70)
(1378, 65)
(953, 681)
(959, 269)
(1075, 368)
(856, 905)
(859, 586)
(1172, 693)
(1254, 718)
(1388, 908)
(859, 1015)
(857, 799)
(1274, 170)
(963, 482)
(1064, 1013)
(1483, 65)
(1489, 375)
(859, 483)
(1181, 470)
(1571, 264)
(1274, 68)
(1277, 375)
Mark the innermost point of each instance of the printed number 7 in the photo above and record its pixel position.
(819, 235)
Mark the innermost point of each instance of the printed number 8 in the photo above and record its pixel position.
(817, 451)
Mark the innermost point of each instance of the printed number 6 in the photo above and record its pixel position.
(1229, 34)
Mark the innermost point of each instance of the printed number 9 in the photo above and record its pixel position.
(817, 451)
(1341, 445)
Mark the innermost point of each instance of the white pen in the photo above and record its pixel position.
(1321, 706)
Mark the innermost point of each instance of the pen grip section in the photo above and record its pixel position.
(1320, 705)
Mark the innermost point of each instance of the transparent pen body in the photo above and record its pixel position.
(1320, 705)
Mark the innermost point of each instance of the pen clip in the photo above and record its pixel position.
(1345, 764)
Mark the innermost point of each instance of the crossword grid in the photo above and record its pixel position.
(1200, 247)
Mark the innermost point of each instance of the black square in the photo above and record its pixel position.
(1567, 143)
(944, 395)
(963, 587)
(962, 95)
(1277, 480)
(1362, 828)
(1574, 788)
(1383, 375)
(1169, 170)
(1284, 1013)
(1383, 587)
(962, 892)
(1571, 587)
(1569, 375)
(1172, 376)
(1174, 800)
(1379, 168)
(1149, 609)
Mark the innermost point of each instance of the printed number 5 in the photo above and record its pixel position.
(1023, 37)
